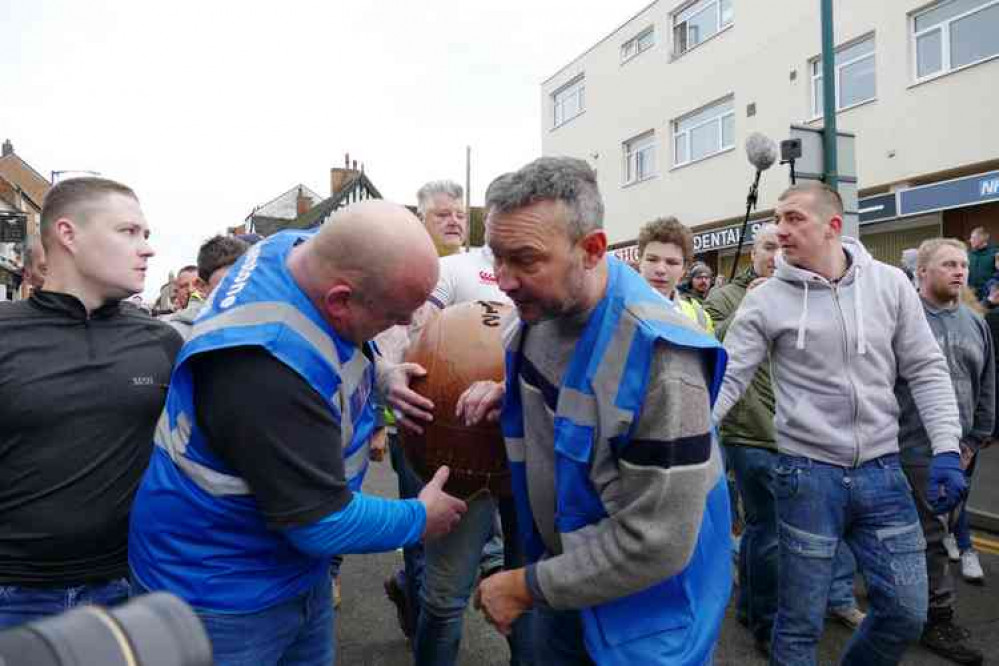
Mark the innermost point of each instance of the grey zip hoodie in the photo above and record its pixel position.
(836, 351)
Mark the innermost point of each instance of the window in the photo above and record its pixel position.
(640, 158)
(705, 132)
(644, 41)
(568, 101)
(698, 21)
(954, 33)
(854, 67)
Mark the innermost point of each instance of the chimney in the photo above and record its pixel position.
(302, 202)
(8, 148)
(339, 176)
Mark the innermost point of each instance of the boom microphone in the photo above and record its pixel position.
(761, 151)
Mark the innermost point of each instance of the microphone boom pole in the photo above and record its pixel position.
(751, 198)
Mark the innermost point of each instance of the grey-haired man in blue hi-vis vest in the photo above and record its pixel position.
(621, 497)
(267, 419)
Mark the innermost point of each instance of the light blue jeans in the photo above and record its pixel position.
(871, 508)
(757, 601)
(451, 563)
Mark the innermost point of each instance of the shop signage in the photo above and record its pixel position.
(949, 194)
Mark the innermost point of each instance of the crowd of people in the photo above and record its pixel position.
(828, 405)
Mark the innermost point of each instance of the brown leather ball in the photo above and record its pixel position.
(459, 346)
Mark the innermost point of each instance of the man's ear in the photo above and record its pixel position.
(594, 246)
(337, 299)
(836, 224)
(64, 233)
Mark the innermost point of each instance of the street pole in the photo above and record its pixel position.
(468, 197)
(830, 158)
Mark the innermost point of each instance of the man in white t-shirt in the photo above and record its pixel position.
(451, 565)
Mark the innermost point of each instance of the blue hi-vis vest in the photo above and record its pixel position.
(676, 621)
(196, 529)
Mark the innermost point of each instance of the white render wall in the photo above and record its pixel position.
(940, 124)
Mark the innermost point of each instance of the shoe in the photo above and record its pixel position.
(397, 595)
(948, 640)
(971, 568)
(849, 617)
(950, 545)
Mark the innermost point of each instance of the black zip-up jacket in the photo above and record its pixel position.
(79, 399)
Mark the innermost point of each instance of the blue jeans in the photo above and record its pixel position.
(870, 508)
(757, 602)
(452, 562)
(410, 486)
(558, 638)
(297, 632)
(19, 605)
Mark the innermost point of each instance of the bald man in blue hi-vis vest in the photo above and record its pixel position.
(622, 501)
(252, 486)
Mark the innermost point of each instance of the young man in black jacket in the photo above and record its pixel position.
(83, 378)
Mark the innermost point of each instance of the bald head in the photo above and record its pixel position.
(371, 265)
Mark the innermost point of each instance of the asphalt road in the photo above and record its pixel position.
(368, 634)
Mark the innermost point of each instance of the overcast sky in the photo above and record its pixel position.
(210, 108)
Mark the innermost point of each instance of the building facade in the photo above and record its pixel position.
(22, 190)
(662, 106)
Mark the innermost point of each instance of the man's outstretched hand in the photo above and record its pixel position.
(412, 410)
(443, 510)
(480, 401)
(503, 597)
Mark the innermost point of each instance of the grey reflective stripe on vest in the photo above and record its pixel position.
(353, 465)
(515, 450)
(272, 312)
(614, 421)
(351, 375)
(175, 441)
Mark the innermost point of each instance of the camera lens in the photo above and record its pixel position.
(153, 630)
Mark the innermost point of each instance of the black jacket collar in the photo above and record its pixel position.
(71, 306)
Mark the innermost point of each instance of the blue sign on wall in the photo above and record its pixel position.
(950, 194)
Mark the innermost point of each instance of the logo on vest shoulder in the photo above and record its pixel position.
(245, 271)
(487, 277)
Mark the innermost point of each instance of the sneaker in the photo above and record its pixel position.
(397, 595)
(971, 568)
(950, 545)
(948, 640)
(849, 617)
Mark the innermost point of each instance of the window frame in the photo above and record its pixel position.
(577, 86)
(719, 26)
(815, 74)
(636, 41)
(720, 119)
(945, 29)
(630, 149)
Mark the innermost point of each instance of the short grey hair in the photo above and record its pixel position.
(768, 229)
(564, 179)
(432, 189)
(28, 257)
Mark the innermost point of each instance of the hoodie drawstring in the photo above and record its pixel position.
(858, 308)
(803, 320)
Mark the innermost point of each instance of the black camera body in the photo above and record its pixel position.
(153, 630)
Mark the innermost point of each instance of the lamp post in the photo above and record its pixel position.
(830, 157)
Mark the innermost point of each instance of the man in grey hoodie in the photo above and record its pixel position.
(840, 328)
(964, 339)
